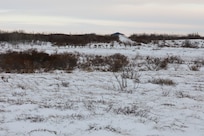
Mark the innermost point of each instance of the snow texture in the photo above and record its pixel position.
(85, 103)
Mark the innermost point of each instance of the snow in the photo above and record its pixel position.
(91, 103)
(125, 39)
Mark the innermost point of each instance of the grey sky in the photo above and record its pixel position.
(103, 16)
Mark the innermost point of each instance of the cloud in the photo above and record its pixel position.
(101, 15)
(163, 2)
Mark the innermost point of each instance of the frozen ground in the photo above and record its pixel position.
(92, 103)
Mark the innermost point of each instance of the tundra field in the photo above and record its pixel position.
(119, 88)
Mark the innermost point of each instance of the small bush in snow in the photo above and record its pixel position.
(124, 79)
(194, 67)
(188, 44)
(112, 63)
(130, 73)
(199, 62)
(122, 83)
(117, 62)
(42, 130)
(156, 63)
(96, 127)
(161, 81)
(132, 110)
(175, 59)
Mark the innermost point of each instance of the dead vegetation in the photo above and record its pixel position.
(31, 61)
(147, 38)
(162, 81)
(55, 38)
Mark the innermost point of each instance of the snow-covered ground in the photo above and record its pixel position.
(83, 103)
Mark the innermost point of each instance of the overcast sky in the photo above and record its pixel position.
(103, 16)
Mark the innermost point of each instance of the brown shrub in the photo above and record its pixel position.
(156, 63)
(117, 62)
(57, 39)
(31, 60)
(147, 38)
(112, 63)
(63, 61)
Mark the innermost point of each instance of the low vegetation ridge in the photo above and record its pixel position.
(65, 39)
(147, 38)
(58, 39)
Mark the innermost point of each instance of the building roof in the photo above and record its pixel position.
(116, 34)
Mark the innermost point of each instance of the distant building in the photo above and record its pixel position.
(116, 34)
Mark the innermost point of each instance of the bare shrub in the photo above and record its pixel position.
(127, 110)
(42, 130)
(188, 44)
(122, 83)
(26, 117)
(181, 94)
(194, 67)
(117, 62)
(133, 110)
(156, 63)
(123, 77)
(152, 63)
(130, 73)
(175, 59)
(65, 84)
(161, 81)
(99, 63)
(199, 61)
(96, 127)
(112, 63)
(89, 105)
(61, 105)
